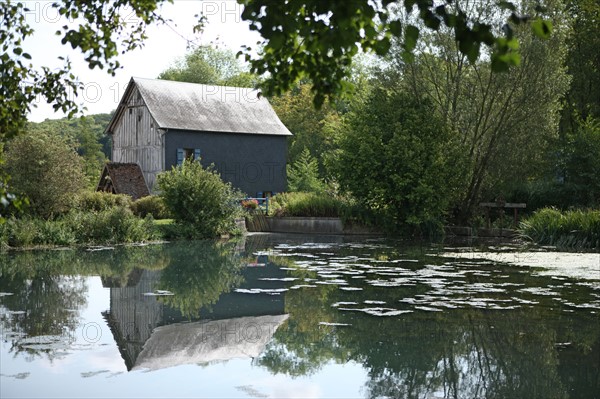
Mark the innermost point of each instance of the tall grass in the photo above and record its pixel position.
(568, 229)
(109, 226)
(322, 205)
(306, 205)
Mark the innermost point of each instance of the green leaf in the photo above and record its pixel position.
(395, 28)
(411, 35)
(507, 5)
(542, 28)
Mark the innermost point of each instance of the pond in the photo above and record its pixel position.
(294, 316)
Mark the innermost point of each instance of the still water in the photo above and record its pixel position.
(291, 316)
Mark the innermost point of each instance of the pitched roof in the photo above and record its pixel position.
(191, 106)
(197, 343)
(123, 178)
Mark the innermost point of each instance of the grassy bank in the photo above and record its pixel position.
(320, 205)
(568, 229)
(112, 226)
(96, 219)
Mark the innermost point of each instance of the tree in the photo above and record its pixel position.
(503, 122)
(318, 40)
(44, 168)
(581, 165)
(101, 31)
(87, 136)
(304, 38)
(303, 174)
(209, 65)
(310, 37)
(313, 130)
(198, 198)
(583, 63)
(398, 159)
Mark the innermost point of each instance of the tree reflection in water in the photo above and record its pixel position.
(198, 274)
(544, 349)
(454, 353)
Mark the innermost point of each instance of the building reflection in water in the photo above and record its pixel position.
(152, 334)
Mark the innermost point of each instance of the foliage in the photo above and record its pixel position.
(102, 32)
(150, 205)
(198, 274)
(87, 136)
(303, 174)
(28, 232)
(307, 204)
(10, 204)
(500, 120)
(317, 40)
(111, 226)
(582, 101)
(568, 229)
(582, 163)
(97, 201)
(399, 161)
(571, 174)
(45, 169)
(212, 66)
(312, 129)
(199, 198)
(115, 225)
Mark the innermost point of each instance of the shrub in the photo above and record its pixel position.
(569, 229)
(307, 204)
(28, 232)
(114, 225)
(47, 170)
(198, 197)
(303, 174)
(96, 201)
(399, 160)
(150, 205)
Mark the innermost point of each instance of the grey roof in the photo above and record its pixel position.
(207, 341)
(191, 106)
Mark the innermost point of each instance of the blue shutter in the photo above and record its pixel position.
(180, 156)
(197, 155)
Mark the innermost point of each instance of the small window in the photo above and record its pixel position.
(192, 154)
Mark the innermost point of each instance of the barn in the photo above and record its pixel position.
(159, 123)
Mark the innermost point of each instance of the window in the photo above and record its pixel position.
(188, 153)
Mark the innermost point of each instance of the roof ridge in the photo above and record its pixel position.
(191, 83)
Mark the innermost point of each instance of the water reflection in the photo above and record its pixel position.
(422, 321)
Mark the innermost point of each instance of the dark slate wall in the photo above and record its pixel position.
(251, 162)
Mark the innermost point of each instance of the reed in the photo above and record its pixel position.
(569, 229)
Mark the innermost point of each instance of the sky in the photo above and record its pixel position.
(165, 44)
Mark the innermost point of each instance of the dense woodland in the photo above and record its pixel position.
(422, 138)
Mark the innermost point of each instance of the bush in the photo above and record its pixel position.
(570, 229)
(114, 225)
(97, 201)
(151, 205)
(29, 232)
(198, 197)
(47, 170)
(400, 162)
(306, 204)
(303, 174)
(111, 226)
